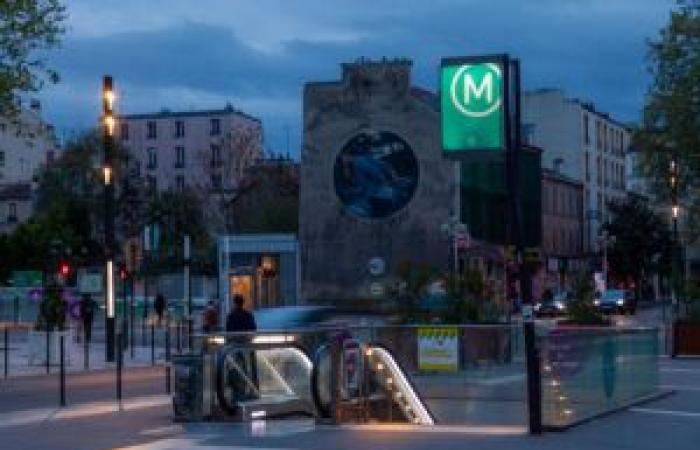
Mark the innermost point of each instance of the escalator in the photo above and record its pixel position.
(383, 393)
(256, 383)
(246, 381)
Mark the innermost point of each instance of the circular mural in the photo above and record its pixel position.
(376, 174)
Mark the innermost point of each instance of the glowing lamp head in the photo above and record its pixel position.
(107, 174)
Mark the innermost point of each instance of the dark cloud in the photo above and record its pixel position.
(594, 50)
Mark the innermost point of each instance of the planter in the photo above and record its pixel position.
(686, 338)
(37, 347)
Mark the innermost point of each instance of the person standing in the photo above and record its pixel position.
(87, 314)
(211, 317)
(240, 319)
(159, 306)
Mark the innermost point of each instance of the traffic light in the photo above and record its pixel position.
(123, 273)
(64, 269)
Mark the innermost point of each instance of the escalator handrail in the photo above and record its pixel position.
(221, 398)
(325, 410)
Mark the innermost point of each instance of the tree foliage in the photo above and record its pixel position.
(640, 242)
(27, 29)
(671, 117)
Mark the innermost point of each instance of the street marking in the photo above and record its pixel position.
(495, 430)
(677, 387)
(667, 412)
(33, 416)
(192, 444)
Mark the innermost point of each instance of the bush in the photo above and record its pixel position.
(582, 311)
(52, 312)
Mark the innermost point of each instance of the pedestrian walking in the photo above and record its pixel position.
(87, 314)
(159, 306)
(240, 319)
(211, 317)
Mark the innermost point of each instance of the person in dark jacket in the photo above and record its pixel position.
(87, 314)
(239, 319)
(159, 306)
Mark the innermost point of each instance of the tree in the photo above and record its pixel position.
(177, 213)
(224, 166)
(671, 117)
(640, 242)
(267, 200)
(27, 29)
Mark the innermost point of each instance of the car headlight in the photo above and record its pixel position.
(559, 305)
(537, 306)
(620, 302)
(596, 302)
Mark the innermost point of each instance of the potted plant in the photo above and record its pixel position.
(686, 330)
(50, 325)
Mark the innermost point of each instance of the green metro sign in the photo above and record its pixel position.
(473, 104)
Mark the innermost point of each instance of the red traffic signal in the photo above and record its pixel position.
(123, 273)
(64, 269)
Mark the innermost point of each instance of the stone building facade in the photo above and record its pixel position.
(562, 228)
(375, 189)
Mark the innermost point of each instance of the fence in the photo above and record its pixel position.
(587, 372)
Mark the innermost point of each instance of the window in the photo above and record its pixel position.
(215, 127)
(152, 158)
(151, 130)
(586, 134)
(588, 173)
(124, 131)
(605, 172)
(12, 213)
(599, 174)
(216, 181)
(216, 156)
(2, 159)
(605, 138)
(179, 157)
(136, 169)
(598, 137)
(179, 129)
(151, 183)
(180, 182)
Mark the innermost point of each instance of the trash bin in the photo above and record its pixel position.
(188, 373)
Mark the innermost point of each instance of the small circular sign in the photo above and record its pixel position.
(376, 266)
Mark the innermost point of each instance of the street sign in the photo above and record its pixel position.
(26, 278)
(473, 101)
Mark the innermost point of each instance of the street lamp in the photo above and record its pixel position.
(108, 122)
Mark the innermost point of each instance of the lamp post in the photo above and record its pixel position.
(675, 211)
(108, 125)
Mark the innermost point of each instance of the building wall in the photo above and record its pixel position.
(583, 144)
(26, 143)
(336, 245)
(239, 141)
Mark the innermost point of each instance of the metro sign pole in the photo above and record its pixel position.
(480, 117)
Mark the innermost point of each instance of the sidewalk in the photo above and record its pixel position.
(76, 358)
(145, 424)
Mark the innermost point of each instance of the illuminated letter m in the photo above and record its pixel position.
(470, 86)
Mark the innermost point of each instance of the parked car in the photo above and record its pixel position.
(555, 306)
(620, 301)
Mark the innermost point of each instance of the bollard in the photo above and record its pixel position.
(132, 321)
(179, 335)
(63, 373)
(120, 356)
(48, 351)
(167, 357)
(86, 351)
(534, 381)
(6, 339)
(16, 312)
(153, 344)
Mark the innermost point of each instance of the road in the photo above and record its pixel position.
(35, 392)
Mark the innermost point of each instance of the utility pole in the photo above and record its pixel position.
(108, 177)
(188, 288)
